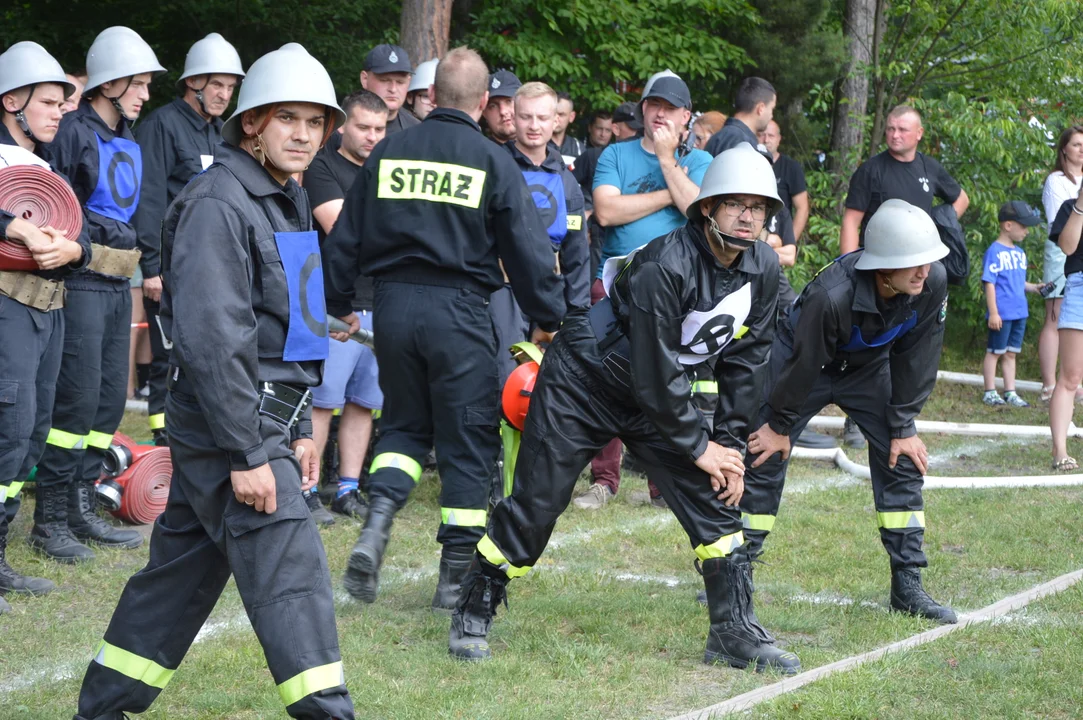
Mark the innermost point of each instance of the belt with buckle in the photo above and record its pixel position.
(284, 403)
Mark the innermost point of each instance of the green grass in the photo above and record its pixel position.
(607, 626)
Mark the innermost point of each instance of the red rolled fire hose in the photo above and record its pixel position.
(41, 197)
(145, 482)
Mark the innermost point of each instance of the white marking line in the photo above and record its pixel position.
(990, 612)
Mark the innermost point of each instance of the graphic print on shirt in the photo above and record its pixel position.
(547, 191)
(120, 172)
(924, 183)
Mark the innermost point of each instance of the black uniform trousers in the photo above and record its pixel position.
(92, 387)
(437, 349)
(572, 416)
(863, 393)
(30, 348)
(204, 535)
(511, 327)
(159, 365)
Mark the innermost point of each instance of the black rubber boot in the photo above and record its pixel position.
(51, 535)
(736, 637)
(814, 440)
(86, 525)
(115, 715)
(363, 569)
(454, 565)
(908, 596)
(351, 505)
(851, 435)
(319, 512)
(483, 589)
(11, 581)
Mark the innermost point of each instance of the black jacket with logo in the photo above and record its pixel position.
(75, 154)
(173, 140)
(225, 299)
(438, 204)
(841, 301)
(680, 307)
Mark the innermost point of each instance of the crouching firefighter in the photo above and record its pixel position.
(705, 292)
(242, 303)
(865, 334)
(32, 88)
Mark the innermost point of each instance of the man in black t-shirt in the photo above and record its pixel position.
(350, 379)
(753, 108)
(790, 178)
(900, 172)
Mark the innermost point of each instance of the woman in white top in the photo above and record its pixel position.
(1061, 184)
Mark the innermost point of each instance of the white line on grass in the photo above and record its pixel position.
(990, 612)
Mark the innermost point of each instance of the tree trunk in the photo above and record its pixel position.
(425, 27)
(848, 128)
(880, 94)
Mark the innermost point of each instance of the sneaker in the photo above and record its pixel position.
(594, 499)
(1014, 400)
(992, 397)
(659, 502)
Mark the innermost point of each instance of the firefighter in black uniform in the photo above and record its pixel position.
(865, 334)
(706, 291)
(243, 305)
(32, 89)
(430, 216)
(178, 142)
(95, 149)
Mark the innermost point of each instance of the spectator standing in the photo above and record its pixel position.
(753, 108)
(790, 176)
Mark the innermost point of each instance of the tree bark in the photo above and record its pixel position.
(848, 128)
(425, 27)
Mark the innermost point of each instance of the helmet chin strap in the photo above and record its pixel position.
(20, 116)
(885, 280)
(722, 238)
(116, 100)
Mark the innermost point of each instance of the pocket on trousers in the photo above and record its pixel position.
(10, 413)
(72, 345)
(482, 416)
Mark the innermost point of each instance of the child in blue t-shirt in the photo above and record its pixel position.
(1004, 276)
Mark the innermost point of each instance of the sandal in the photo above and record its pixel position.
(1066, 464)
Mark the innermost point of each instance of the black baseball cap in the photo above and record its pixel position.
(1018, 211)
(628, 113)
(503, 83)
(671, 89)
(387, 59)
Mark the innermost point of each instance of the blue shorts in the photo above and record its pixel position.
(1071, 310)
(350, 375)
(1009, 338)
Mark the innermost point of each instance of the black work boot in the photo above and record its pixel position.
(115, 715)
(351, 504)
(363, 569)
(483, 589)
(852, 435)
(88, 526)
(319, 512)
(160, 438)
(12, 581)
(908, 596)
(51, 535)
(454, 565)
(736, 636)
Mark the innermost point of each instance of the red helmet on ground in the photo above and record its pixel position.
(516, 396)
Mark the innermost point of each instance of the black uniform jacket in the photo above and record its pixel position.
(225, 302)
(174, 139)
(75, 153)
(679, 307)
(438, 204)
(5, 217)
(574, 246)
(842, 300)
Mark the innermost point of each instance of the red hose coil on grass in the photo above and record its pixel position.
(146, 485)
(41, 197)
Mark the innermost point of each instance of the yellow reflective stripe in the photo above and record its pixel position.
(529, 349)
(721, 547)
(66, 440)
(705, 386)
(901, 519)
(138, 668)
(311, 681)
(575, 222)
(99, 440)
(758, 522)
(491, 552)
(740, 332)
(375, 414)
(430, 181)
(8, 492)
(463, 517)
(401, 462)
(509, 438)
(156, 421)
(336, 412)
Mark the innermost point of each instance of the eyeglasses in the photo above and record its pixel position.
(737, 209)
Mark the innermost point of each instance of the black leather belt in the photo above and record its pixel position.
(282, 402)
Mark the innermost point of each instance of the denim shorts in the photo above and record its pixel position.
(350, 375)
(1071, 311)
(1009, 338)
